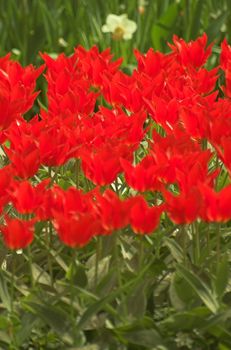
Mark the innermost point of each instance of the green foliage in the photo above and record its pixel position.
(30, 26)
(149, 295)
(129, 293)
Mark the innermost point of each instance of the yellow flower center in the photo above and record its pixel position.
(118, 33)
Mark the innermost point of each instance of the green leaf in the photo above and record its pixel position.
(87, 347)
(27, 323)
(186, 295)
(141, 332)
(175, 249)
(223, 347)
(201, 289)
(5, 338)
(161, 29)
(76, 274)
(103, 266)
(222, 277)
(215, 26)
(55, 317)
(219, 319)
(4, 322)
(176, 301)
(136, 302)
(144, 337)
(40, 275)
(103, 303)
(200, 318)
(4, 293)
(196, 20)
(186, 320)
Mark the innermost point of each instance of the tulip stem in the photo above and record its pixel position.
(197, 243)
(12, 284)
(141, 252)
(97, 258)
(48, 245)
(218, 242)
(30, 267)
(208, 241)
(118, 272)
(77, 170)
(12, 295)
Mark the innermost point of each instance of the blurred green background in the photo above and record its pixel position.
(30, 26)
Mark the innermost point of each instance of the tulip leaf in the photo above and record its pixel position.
(175, 249)
(144, 337)
(200, 288)
(103, 302)
(53, 316)
(222, 277)
(186, 320)
(215, 26)
(161, 29)
(196, 20)
(27, 323)
(4, 293)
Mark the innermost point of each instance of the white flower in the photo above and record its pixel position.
(120, 26)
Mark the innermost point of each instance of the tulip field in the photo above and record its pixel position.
(115, 175)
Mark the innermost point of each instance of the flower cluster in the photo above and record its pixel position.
(144, 145)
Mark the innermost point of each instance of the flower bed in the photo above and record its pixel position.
(145, 146)
(124, 155)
